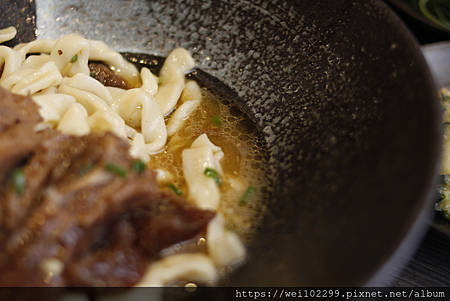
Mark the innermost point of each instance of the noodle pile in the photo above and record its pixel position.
(56, 74)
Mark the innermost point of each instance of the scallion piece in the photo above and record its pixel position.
(174, 188)
(247, 195)
(19, 180)
(92, 74)
(209, 172)
(216, 120)
(138, 166)
(74, 58)
(116, 169)
(85, 169)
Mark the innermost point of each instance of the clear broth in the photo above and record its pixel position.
(244, 162)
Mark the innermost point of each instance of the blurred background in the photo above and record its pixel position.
(430, 266)
(414, 14)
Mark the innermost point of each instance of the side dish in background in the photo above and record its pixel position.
(444, 186)
(117, 176)
(436, 11)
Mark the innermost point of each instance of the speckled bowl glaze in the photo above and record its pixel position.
(347, 107)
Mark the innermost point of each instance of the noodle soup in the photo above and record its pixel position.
(203, 154)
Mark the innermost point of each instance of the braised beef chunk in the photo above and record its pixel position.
(50, 153)
(83, 216)
(17, 109)
(159, 229)
(107, 77)
(96, 149)
(17, 143)
(142, 232)
(116, 262)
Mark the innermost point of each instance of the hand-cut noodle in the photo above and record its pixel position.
(224, 247)
(86, 83)
(168, 95)
(75, 121)
(63, 56)
(163, 176)
(149, 81)
(195, 267)
(7, 34)
(180, 115)
(172, 74)
(38, 46)
(202, 155)
(63, 65)
(54, 106)
(138, 150)
(191, 92)
(91, 102)
(107, 120)
(101, 52)
(57, 76)
(24, 81)
(190, 99)
(152, 121)
(10, 59)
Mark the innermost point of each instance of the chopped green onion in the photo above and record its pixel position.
(187, 135)
(187, 131)
(216, 120)
(230, 228)
(85, 169)
(209, 172)
(138, 166)
(116, 169)
(247, 195)
(92, 74)
(74, 58)
(19, 180)
(174, 188)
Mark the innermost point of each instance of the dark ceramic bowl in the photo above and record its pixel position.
(347, 105)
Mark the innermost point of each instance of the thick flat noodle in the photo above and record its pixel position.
(22, 15)
(85, 217)
(107, 77)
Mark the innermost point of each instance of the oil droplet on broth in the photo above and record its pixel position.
(244, 161)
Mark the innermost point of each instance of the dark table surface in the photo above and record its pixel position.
(430, 265)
